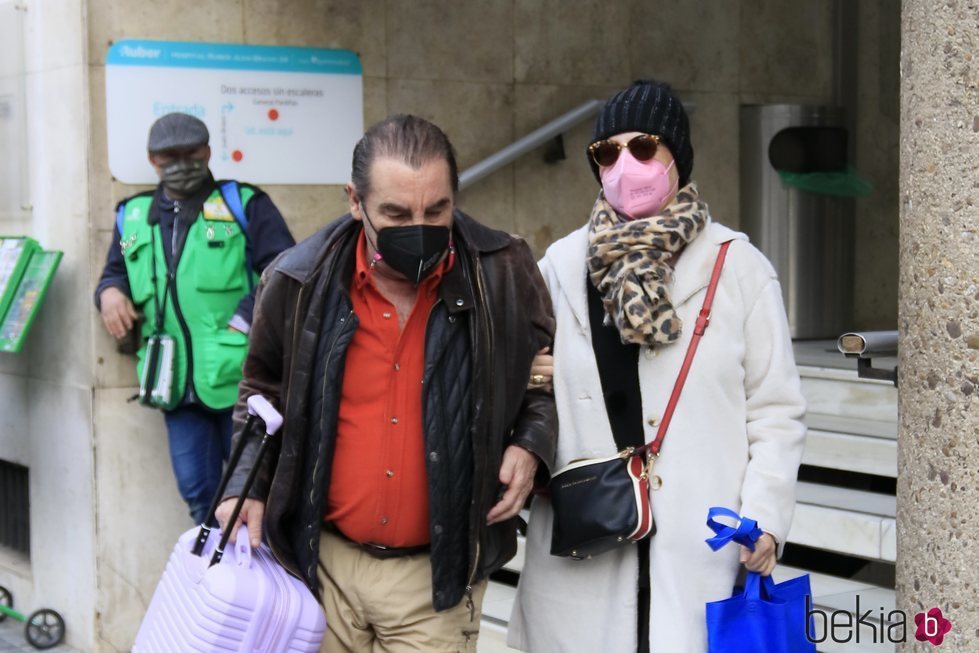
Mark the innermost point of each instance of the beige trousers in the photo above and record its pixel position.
(385, 606)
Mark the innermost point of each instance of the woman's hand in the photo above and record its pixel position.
(542, 371)
(762, 559)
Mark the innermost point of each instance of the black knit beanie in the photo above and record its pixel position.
(650, 107)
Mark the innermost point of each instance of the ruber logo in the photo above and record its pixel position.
(932, 626)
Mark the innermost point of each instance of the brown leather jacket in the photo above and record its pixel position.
(493, 314)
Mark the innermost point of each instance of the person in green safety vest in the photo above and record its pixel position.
(181, 270)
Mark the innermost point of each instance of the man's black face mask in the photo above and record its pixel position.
(413, 250)
(184, 176)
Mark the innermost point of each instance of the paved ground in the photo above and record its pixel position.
(12, 639)
(492, 640)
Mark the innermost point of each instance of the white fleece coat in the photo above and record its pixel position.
(736, 441)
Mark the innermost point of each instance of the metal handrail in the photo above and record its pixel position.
(531, 141)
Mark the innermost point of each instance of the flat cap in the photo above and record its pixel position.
(177, 131)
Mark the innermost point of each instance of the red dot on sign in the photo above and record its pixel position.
(273, 114)
(237, 155)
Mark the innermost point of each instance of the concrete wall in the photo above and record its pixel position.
(491, 71)
(46, 389)
(487, 71)
(938, 452)
(875, 145)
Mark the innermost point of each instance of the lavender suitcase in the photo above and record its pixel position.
(242, 601)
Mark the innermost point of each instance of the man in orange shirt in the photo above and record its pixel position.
(398, 341)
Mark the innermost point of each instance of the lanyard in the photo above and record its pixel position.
(160, 305)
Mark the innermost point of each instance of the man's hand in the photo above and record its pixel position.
(251, 513)
(542, 370)
(517, 475)
(118, 313)
(762, 559)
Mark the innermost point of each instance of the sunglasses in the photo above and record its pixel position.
(642, 147)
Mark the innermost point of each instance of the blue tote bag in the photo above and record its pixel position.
(765, 617)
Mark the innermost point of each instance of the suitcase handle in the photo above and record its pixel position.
(262, 447)
(243, 549)
(258, 407)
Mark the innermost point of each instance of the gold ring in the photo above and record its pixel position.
(537, 379)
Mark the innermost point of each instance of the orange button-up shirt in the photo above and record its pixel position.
(379, 486)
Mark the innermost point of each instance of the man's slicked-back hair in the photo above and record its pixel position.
(404, 137)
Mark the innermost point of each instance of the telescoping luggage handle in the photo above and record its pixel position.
(258, 406)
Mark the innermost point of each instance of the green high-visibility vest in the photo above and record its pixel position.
(211, 277)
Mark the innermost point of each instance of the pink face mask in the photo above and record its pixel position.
(637, 189)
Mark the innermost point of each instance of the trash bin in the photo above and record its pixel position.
(804, 229)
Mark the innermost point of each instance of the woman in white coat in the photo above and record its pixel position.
(627, 288)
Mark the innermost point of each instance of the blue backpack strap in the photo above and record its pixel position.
(229, 191)
(232, 198)
(120, 216)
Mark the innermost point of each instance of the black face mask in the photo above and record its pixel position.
(413, 250)
(184, 176)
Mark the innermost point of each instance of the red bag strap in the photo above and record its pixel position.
(703, 321)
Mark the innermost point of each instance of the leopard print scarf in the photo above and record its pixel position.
(628, 263)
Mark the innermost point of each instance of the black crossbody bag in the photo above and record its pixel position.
(601, 504)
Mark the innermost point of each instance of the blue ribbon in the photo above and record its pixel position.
(746, 533)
